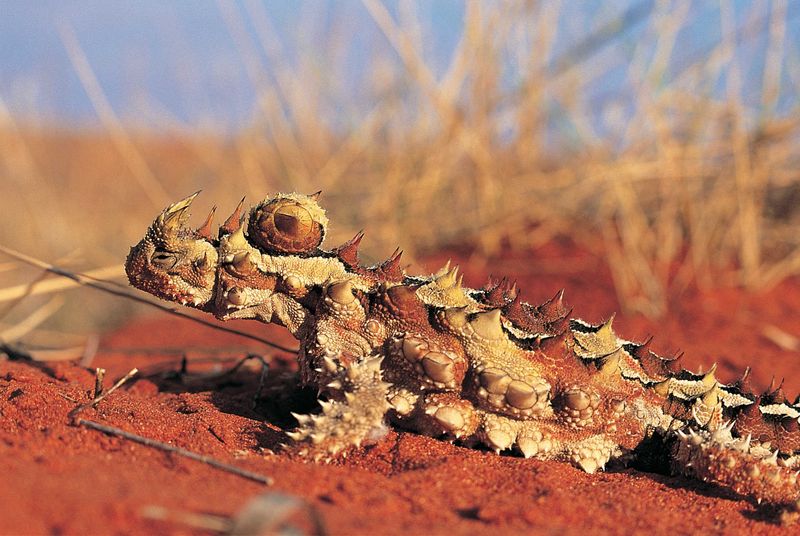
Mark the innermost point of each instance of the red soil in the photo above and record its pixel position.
(58, 478)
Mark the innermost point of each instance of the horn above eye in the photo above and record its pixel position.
(286, 225)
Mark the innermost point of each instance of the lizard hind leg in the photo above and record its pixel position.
(354, 414)
(736, 463)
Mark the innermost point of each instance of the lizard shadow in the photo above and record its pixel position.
(761, 513)
(267, 399)
(652, 460)
(661, 474)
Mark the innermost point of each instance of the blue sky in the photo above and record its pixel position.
(180, 62)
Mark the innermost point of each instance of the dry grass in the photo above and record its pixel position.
(691, 186)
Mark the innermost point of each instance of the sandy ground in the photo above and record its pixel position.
(58, 478)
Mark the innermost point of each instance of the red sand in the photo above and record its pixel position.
(59, 478)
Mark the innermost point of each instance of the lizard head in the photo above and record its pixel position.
(173, 262)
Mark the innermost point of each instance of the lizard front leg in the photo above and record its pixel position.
(353, 414)
(341, 363)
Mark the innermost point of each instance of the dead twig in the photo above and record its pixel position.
(99, 394)
(41, 286)
(88, 281)
(210, 353)
(118, 432)
(99, 376)
(67, 397)
(195, 520)
(215, 376)
(261, 379)
(208, 460)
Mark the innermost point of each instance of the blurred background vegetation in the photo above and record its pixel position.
(662, 135)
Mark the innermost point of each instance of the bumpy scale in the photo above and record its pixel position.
(481, 366)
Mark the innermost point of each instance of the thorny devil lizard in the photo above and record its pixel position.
(481, 366)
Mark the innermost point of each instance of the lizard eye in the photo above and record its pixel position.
(164, 260)
(284, 226)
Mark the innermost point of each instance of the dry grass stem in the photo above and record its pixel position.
(43, 354)
(785, 341)
(32, 321)
(60, 284)
(123, 292)
(90, 350)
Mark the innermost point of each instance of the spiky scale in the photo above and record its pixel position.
(390, 269)
(487, 325)
(233, 221)
(776, 395)
(554, 343)
(790, 424)
(341, 293)
(673, 365)
(744, 384)
(554, 308)
(237, 240)
(348, 252)
(448, 278)
(651, 363)
(558, 326)
(499, 293)
(204, 231)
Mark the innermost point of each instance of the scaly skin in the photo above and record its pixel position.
(430, 355)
